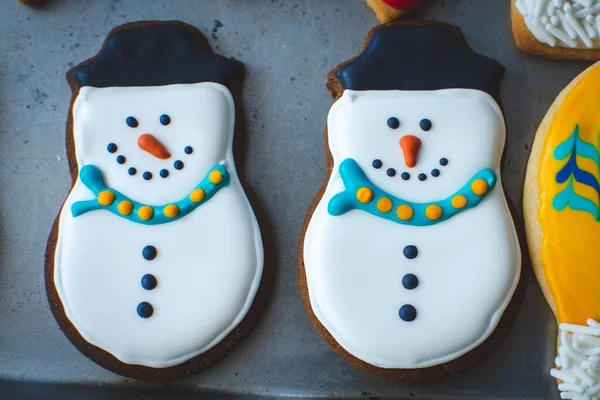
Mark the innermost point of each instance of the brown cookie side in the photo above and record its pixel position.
(420, 376)
(525, 41)
(241, 331)
(33, 3)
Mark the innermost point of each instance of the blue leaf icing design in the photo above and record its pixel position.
(573, 147)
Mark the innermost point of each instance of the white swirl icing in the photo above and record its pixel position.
(578, 361)
(563, 23)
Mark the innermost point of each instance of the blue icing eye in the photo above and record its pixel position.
(425, 124)
(407, 313)
(165, 119)
(393, 122)
(391, 172)
(132, 171)
(188, 150)
(377, 163)
(147, 175)
(435, 172)
(164, 173)
(121, 159)
(112, 148)
(145, 310)
(132, 122)
(178, 164)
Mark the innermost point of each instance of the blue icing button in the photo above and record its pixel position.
(407, 313)
(149, 253)
(145, 310)
(411, 252)
(149, 281)
(410, 281)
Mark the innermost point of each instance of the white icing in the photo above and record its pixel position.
(209, 263)
(578, 361)
(573, 24)
(468, 266)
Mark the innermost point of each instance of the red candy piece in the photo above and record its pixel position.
(405, 5)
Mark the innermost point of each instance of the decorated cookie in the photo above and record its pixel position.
(410, 234)
(156, 257)
(561, 29)
(561, 206)
(388, 10)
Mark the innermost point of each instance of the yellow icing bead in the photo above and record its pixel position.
(384, 204)
(364, 195)
(106, 197)
(433, 212)
(459, 201)
(125, 207)
(404, 212)
(215, 177)
(479, 187)
(146, 213)
(171, 210)
(197, 195)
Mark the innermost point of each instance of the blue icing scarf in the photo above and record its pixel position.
(360, 193)
(121, 205)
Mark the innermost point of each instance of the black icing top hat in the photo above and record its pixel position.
(420, 56)
(154, 54)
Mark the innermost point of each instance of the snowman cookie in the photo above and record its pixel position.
(409, 256)
(560, 29)
(562, 220)
(156, 258)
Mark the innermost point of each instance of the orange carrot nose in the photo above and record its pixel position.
(410, 147)
(153, 146)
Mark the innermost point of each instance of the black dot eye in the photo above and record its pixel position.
(165, 119)
(132, 122)
(393, 123)
(425, 124)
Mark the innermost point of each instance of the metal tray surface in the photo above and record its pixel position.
(288, 48)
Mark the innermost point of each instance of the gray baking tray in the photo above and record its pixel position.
(288, 48)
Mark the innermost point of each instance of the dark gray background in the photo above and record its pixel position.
(288, 46)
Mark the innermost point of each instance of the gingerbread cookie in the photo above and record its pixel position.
(411, 234)
(156, 257)
(388, 10)
(561, 207)
(560, 29)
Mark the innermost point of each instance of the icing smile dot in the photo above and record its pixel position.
(132, 171)
(422, 177)
(479, 187)
(111, 148)
(149, 253)
(407, 313)
(178, 164)
(435, 172)
(364, 195)
(377, 164)
(188, 150)
(121, 159)
(149, 282)
(384, 205)
(404, 212)
(405, 176)
(147, 175)
(443, 162)
(391, 172)
(410, 252)
(145, 310)
(164, 173)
